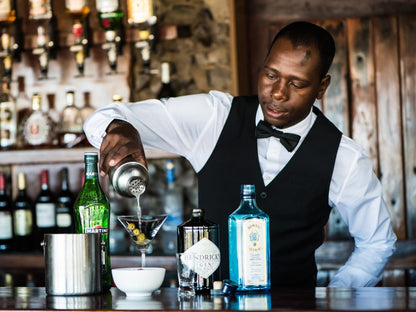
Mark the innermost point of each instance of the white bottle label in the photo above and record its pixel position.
(5, 7)
(45, 215)
(106, 5)
(139, 11)
(254, 260)
(6, 229)
(206, 257)
(63, 219)
(22, 222)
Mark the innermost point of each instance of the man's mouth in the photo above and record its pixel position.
(274, 112)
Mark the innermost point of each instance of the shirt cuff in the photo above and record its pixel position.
(348, 276)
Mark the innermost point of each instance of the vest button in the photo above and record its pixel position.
(263, 194)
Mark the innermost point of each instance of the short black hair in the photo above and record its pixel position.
(308, 34)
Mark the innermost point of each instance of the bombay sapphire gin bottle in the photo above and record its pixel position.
(249, 244)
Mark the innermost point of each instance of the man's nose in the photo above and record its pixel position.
(279, 91)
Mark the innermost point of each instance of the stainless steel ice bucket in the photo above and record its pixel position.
(72, 264)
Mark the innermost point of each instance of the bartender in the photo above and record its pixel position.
(299, 176)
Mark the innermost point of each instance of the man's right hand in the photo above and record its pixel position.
(122, 140)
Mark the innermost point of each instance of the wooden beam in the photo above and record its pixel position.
(283, 10)
(407, 26)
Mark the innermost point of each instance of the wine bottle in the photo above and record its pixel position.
(8, 117)
(198, 237)
(6, 217)
(45, 211)
(92, 212)
(249, 244)
(166, 91)
(64, 206)
(23, 217)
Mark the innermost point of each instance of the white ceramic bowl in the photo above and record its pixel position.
(138, 282)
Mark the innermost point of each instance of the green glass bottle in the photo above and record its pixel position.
(92, 212)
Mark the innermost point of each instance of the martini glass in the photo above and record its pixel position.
(142, 230)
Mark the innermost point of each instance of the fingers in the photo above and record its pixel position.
(121, 141)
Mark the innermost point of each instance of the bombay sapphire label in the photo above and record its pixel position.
(206, 257)
(254, 251)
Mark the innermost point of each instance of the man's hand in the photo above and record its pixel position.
(122, 140)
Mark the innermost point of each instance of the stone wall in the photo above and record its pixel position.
(199, 57)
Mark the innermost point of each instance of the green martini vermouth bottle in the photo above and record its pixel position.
(92, 212)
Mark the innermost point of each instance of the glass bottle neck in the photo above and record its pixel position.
(91, 171)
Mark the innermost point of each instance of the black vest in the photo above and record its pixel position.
(296, 200)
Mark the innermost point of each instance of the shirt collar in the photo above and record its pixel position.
(301, 128)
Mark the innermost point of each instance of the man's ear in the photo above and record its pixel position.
(323, 86)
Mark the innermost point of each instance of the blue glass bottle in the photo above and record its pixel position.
(249, 244)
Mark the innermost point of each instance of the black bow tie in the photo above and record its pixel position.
(288, 140)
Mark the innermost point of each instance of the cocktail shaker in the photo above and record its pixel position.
(129, 178)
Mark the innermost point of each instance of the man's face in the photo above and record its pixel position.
(289, 83)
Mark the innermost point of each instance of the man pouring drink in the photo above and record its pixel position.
(302, 166)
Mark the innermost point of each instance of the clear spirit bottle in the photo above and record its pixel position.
(198, 237)
(92, 212)
(70, 128)
(173, 207)
(249, 244)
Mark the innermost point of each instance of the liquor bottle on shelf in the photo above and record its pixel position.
(111, 20)
(249, 244)
(173, 207)
(6, 217)
(38, 128)
(45, 211)
(17, 45)
(54, 116)
(92, 212)
(41, 15)
(6, 55)
(87, 109)
(8, 118)
(78, 11)
(140, 15)
(70, 129)
(23, 104)
(166, 91)
(198, 237)
(23, 217)
(7, 18)
(64, 206)
(23, 107)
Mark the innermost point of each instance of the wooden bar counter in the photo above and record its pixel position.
(165, 299)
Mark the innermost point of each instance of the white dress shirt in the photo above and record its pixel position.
(191, 125)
